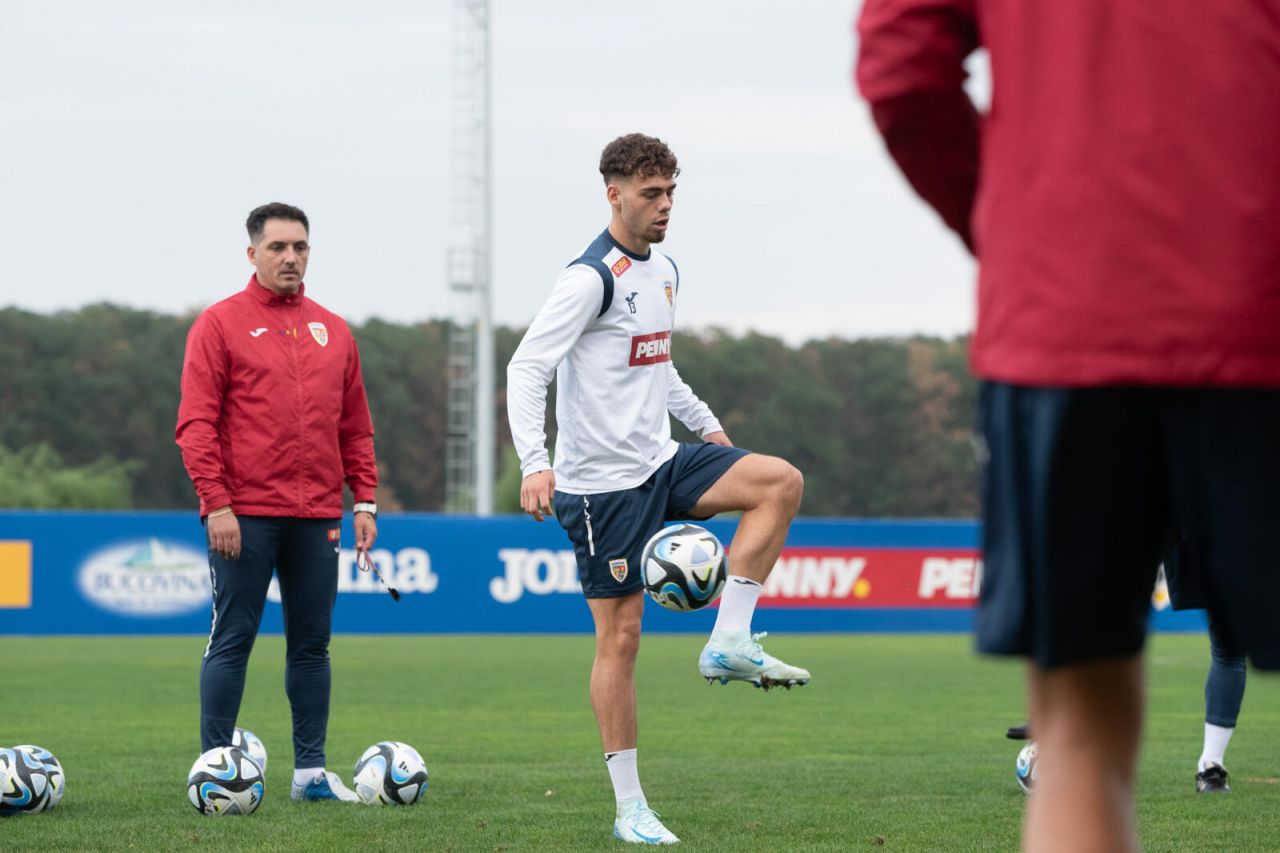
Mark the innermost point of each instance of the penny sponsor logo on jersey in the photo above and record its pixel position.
(650, 349)
(621, 265)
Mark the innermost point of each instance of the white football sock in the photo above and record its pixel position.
(622, 770)
(737, 604)
(1216, 739)
(303, 775)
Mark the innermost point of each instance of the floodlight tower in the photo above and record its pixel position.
(469, 424)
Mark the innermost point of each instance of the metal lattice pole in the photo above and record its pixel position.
(469, 474)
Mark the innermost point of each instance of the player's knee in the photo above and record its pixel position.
(623, 648)
(788, 484)
(620, 640)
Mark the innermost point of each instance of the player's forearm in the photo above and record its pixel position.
(360, 466)
(933, 137)
(910, 69)
(687, 407)
(527, 414)
(202, 457)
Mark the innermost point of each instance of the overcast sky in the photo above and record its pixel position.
(136, 135)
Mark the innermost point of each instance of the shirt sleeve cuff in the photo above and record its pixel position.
(213, 500)
(541, 462)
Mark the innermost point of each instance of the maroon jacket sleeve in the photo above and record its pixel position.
(355, 432)
(204, 382)
(910, 69)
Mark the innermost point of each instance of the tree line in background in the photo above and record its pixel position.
(880, 427)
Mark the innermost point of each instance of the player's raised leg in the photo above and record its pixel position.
(767, 490)
(613, 697)
(1088, 722)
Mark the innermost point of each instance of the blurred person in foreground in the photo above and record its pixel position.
(1121, 198)
(273, 420)
(605, 334)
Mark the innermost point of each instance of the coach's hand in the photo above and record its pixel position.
(224, 533)
(718, 438)
(536, 492)
(366, 530)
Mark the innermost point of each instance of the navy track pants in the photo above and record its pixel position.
(303, 552)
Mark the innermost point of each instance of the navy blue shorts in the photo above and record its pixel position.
(1085, 489)
(609, 529)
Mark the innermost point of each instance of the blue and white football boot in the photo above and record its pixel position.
(325, 786)
(728, 658)
(638, 824)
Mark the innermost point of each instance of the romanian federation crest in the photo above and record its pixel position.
(618, 568)
(320, 333)
(666, 286)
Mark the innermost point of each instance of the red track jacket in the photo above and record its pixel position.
(273, 415)
(1123, 194)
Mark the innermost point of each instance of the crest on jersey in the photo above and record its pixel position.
(667, 288)
(320, 333)
(621, 265)
(618, 568)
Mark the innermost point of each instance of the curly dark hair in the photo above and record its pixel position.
(275, 210)
(637, 156)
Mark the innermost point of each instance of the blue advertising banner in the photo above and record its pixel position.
(147, 573)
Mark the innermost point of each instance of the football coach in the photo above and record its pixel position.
(273, 419)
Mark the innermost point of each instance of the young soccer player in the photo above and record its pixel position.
(605, 333)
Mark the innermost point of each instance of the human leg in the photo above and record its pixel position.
(239, 593)
(608, 531)
(706, 480)
(1223, 694)
(308, 573)
(613, 687)
(1076, 516)
(1088, 725)
(613, 698)
(767, 490)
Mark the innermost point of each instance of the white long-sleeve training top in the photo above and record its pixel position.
(605, 332)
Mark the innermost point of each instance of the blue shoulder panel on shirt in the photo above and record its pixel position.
(594, 257)
(672, 261)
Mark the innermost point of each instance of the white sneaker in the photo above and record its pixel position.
(326, 786)
(638, 824)
(741, 658)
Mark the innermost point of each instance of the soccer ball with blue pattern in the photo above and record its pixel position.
(685, 567)
(248, 743)
(1025, 768)
(52, 769)
(24, 783)
(225, 781)
(392, 773)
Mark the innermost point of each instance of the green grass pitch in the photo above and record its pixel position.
(896, 745)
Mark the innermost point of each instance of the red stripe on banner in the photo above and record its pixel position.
(874, 577)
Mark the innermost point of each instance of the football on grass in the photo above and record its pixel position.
(24, 783)
(1024, 769)
(391, 773)
(249, 743)
(225, 781)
